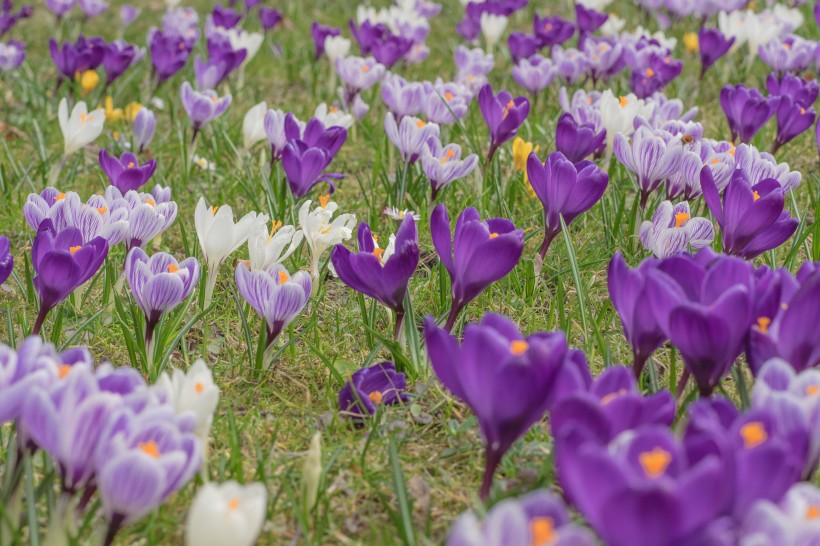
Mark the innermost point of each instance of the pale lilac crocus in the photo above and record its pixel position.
(410, 135)
(650, 156)
(202, 106)
(673, 230)
(443, 164)
(534, 74)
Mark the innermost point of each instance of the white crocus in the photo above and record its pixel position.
(253, 126)
(336, 47)
(219, 236)
(266, 249)
(492, 27)
(749, 28)
(194, 391)
(227, 513)
(321, 233)
(618, 114)
(594, 4)
(613, 26)
(331, 116)
(81, 127)
(249, 41)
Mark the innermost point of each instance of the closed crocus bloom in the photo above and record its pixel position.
(33, 365)
(492, 27)
(371, 388)
(479, 253)
(6, 259)
(269, 18)
(410, 136)
(169, 54)
(793, 118)
(577, 141)
(320, 33)
(128, 14)
(274, 124)
(629, 293)
(159, 283)
(358, 74)
(752, 218)
(304, 167)
(747, 111)
(224, 60)
(45, 205)
(503, 115)
(565, 189)
(618, 114)
(274, 294)
(648, 490)
(249, 41)
(705, 311)
(509, 381)
(522, 46)
(81, 127)
(534, 74)
(552, 30)
(321, 232)
(253, 125)
(588, 19)
(192, 391)
(145, 124)
(401, 97)
(119, 56)
(331, 116)
(382, 274)
(202, 106)
(268, 248)
(443, 164)
(125, 173)
(650, 156)
(12, 55)
(226, 513)
(62, 262)
(800, 90)
(673, 230)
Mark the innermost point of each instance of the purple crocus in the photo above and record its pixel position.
(793, 119)
(60, 7)
(119, 55)
(274, 294)
(6, 259)
(446, 103)
(390, 49)
(202, 106)
(674, 230)
(401, 97)
(480, 253)
(269, 18)
(128, 14)
(538, 518)
(747, 111)
(509, 380)
(381, 274)
(358, 74)
(93, 8)
(169, 53)
(534, 74)
(304, 167)
(565, 189)
(410, 136)
(704, 306)
(712, 45)
(320, 34)
(793, 520)
(752, 218)
(159, 284)
(12, 55)
(650, 156)
(552, 31)
(443, 165)
(522, 46)
(588, 19)
(145, 124)
(222, 60)
(371, 388)
(577, 141)
(503, 115)
(126, 173)
(571, 64)
(84, 54)
(799, 90)
(62, 262)
(225, 17)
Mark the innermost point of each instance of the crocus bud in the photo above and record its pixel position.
(145, 123)
(312, 472)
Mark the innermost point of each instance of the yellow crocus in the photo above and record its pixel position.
(112, 114)
(521, 150)
(88, 80)
(131, 111)
(690, 42)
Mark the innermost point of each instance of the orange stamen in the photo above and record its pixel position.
(63, 371)
(680, 218)
(199, 388)
(233, 504)
(518, 347)
(763, 324)
(654, 462)
(172, 268)
(150, 448)
(542, 531)
(624, 101)
(74, 249)
(283, 277)
(324, 200)
(753, 434)
(376, 397)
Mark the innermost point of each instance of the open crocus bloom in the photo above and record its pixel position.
(321, 232)
(192, 391)
(673, 230)
(226, 513)
(81, 127)
(266, 248)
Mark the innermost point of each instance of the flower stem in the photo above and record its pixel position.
(113, 528)
(210, 283)
(451, 318)
(493, 458)
(548, 237)
(41, 317)
(397, 331)
(638, 363)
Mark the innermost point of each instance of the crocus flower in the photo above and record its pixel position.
(503, 115)
(304, 167)
(6, 259)
(219, 236)
(793, 118)
(752, 218)
(650, 156)
(443, 164)
(480, 253)
(12, 55)
(795, 87)
(565, 189)
(320, 232)
(789, 54)
(202, 106)
(94, 218)
(225, 17)
(795, 519)
(757, 166)
(145, 124)
(331, 116)
(534, 74)
(401, 97)
(226, 513)
(509, 381)
(81, 127)
(266, 249)
(242, 39)
(673, 230)
(82, 55)
(370, 388)
(712, 46)
(492, 27)
(577, 141)
(358, 74)
(192, 391)
(274, 294)
(647, 487)
(320, 34)
(128, 14)
(382, 274)
(60, 7)
(446, 102)
(253, 125)
(705, 310)
(93, 8)
(410, 136)
(269, 18)
(522, 46)
(747, 111)
(535, 518)
(618, 114)
(274, 124)
(159, 284)
(213, 71)
(141, 460)
(552, 31)
(62, 262)
(588, 19)
(336, 47)
(571, 64)
(169, 54)
(126, 173)
(118, 57)
(33, 365)
(147, 217)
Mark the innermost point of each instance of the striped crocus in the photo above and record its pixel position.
(6, 259)
(443, 164)
(410, 136)
(274, 294)
(673, 230)
(651, 156)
